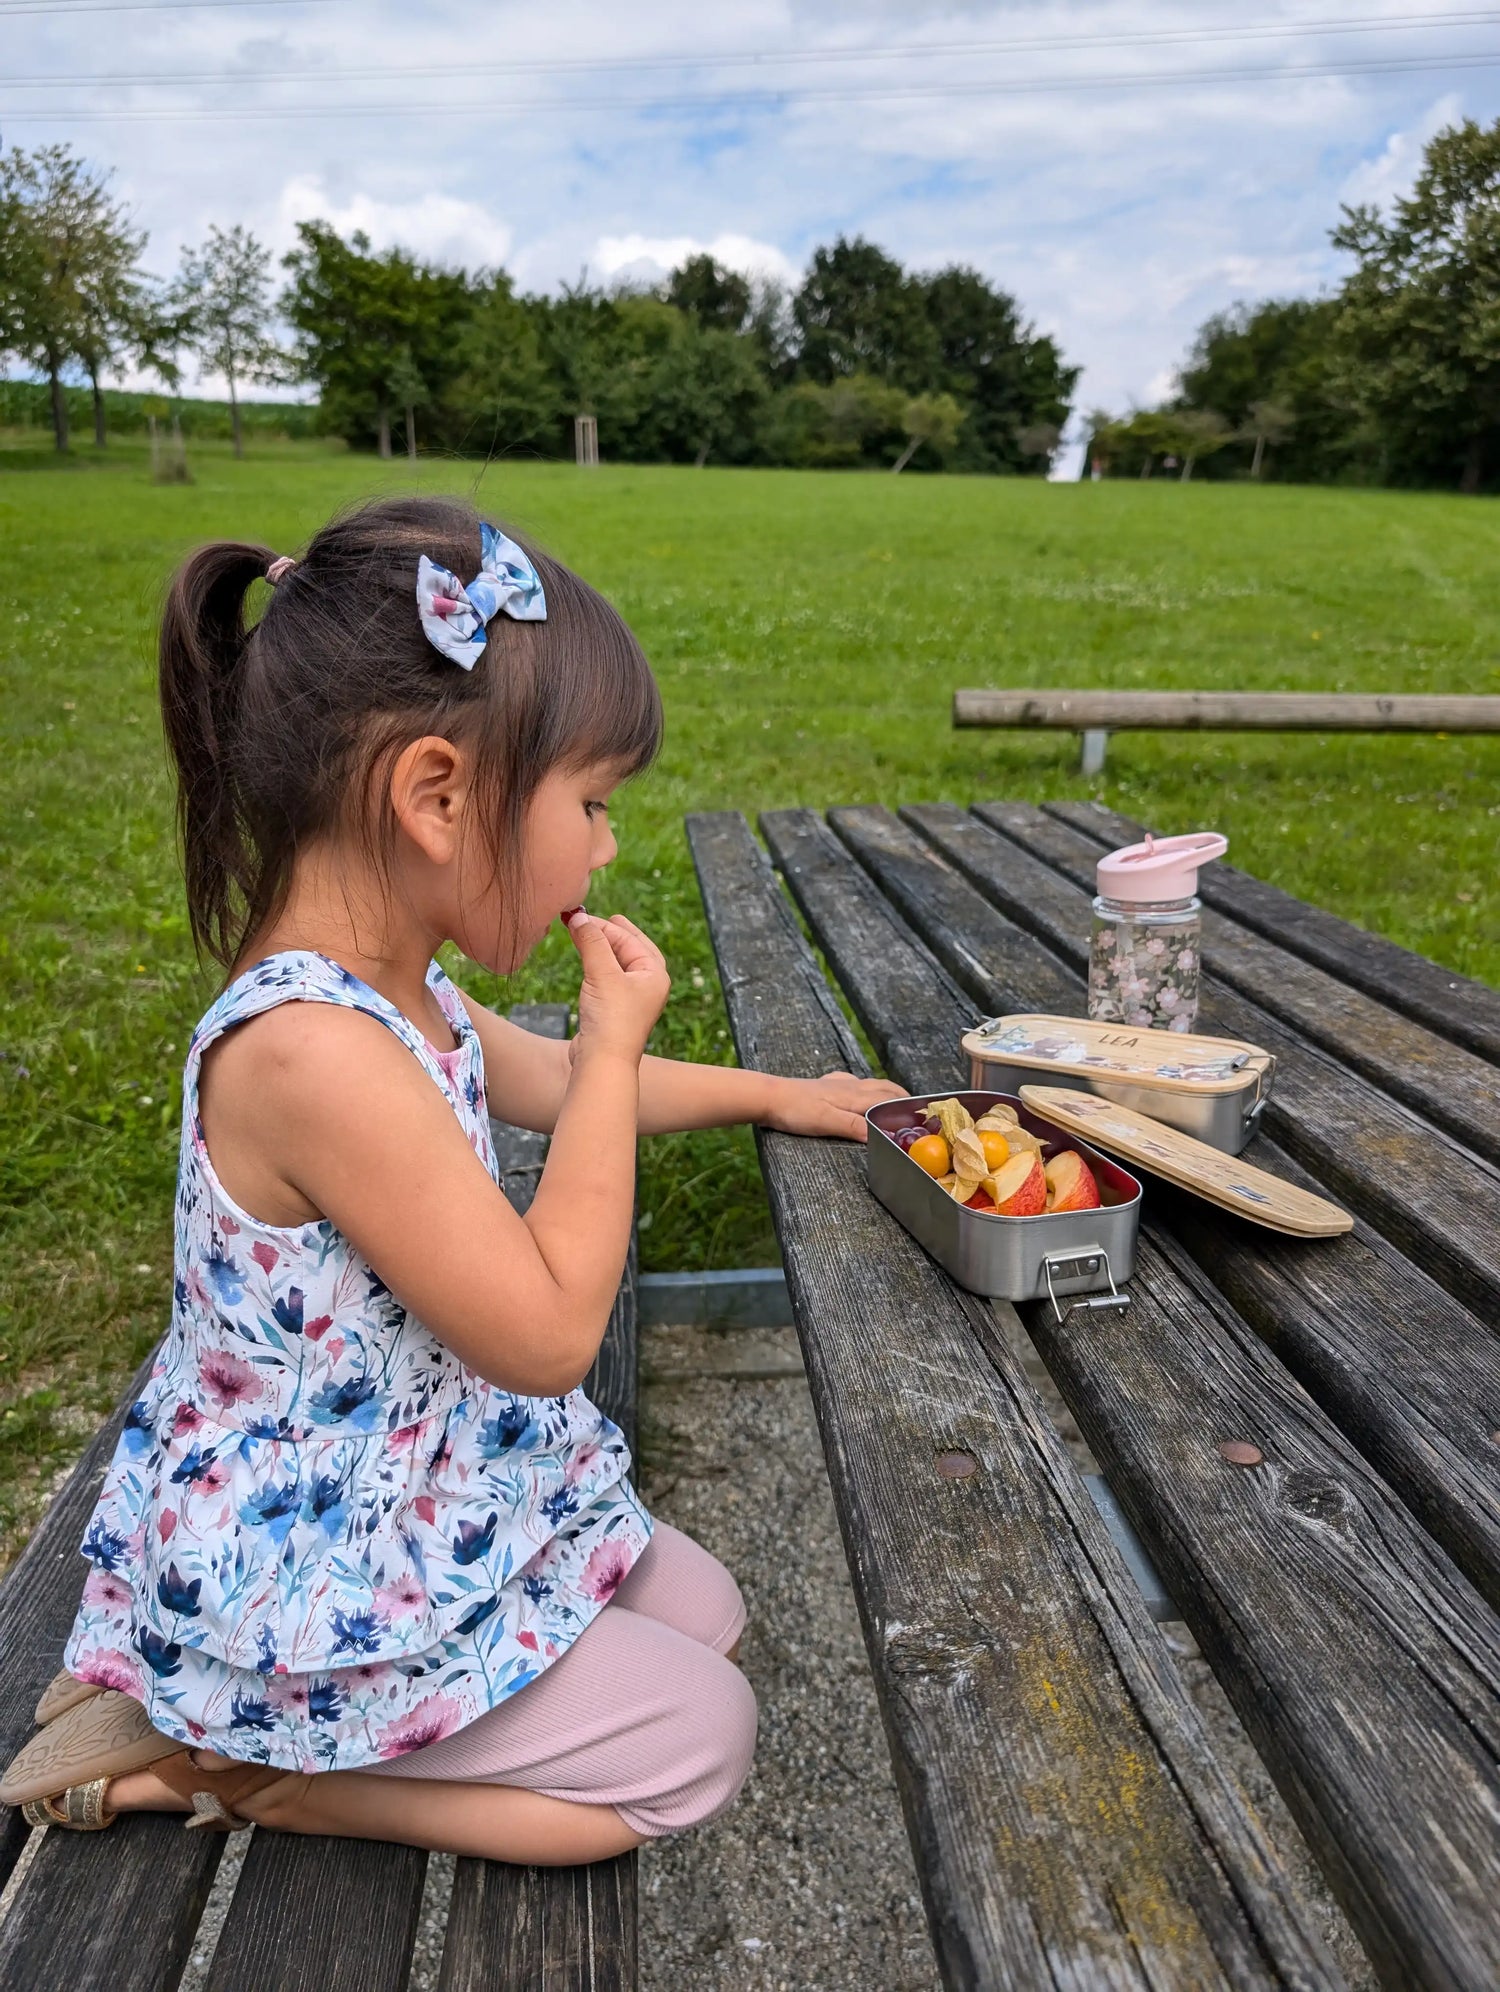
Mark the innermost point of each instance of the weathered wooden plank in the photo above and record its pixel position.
(1366, 1149)
(1235, 712)
(95, 1911)
(1072, 1827)
(561, 1929)
(1406, 1371)
(1460, 1008)
(1453, 1088)
(544, 1929)
(318, 1915)
(100, 1911)
(38, 1599)
(1365, 1665)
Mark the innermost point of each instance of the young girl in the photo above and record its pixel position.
(367, 1561)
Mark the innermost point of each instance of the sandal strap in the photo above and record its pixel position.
(80, 1808)
(214, 1795)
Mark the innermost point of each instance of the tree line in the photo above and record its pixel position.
(864, 363)
(1392, 379)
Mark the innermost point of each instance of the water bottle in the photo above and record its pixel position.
(1146, 942)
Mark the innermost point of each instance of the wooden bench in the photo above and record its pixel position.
(1096, 714)
(1071, 1821)
(100, 1912)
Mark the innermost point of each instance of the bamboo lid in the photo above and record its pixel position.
(1226, 1180)
(1087, 1047)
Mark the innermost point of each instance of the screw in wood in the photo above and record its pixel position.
(956, 1465)
(1240, 1452)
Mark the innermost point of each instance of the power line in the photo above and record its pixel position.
(777, 99)
(10, 8)
(1173, 37)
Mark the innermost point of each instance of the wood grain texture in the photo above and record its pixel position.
(1071, 1825)
(1365, 1665)
(96, 1911)
(1234, 712)
(100, 1912)
(1405, 1371)
(1453, 1088)
(542, 1929)
(1460, 1008)
(1363, 1147)
(562, 1929)
(38, 1601)
(318, 1915)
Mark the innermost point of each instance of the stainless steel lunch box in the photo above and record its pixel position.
(1051, 1256)
(1225, 1114)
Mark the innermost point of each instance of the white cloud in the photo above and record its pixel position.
(1379, 181)
(439, 228)
(648, 258)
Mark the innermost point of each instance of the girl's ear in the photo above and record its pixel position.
(431, 785)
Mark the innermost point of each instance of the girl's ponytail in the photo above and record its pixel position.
(203, 639)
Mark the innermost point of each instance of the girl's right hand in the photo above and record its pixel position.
(625, 984)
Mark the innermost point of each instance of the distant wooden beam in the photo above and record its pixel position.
(1231, 712)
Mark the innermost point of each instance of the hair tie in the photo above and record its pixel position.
(454, 616)
(280, 568)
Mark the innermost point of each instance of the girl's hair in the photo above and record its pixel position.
(281, 733)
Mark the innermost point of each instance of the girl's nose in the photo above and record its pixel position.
(606, 852)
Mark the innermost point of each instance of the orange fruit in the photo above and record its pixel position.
(996, 1148)
(930, 1152)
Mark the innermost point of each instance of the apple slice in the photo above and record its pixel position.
(1070, 1183)
(1019, 1186)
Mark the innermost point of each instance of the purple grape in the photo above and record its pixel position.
(905, 1136)
(932, 1125)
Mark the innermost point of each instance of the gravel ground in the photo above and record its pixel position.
(808, 1881)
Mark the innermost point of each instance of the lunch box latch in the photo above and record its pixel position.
(1081, 1265)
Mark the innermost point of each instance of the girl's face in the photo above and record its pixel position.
(566, 839)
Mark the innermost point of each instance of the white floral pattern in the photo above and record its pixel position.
(322, 1540)
(1144, 974)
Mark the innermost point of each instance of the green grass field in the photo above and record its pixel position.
(809, 631)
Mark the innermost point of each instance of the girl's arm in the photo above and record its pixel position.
(312, 1111)
(527, 1076)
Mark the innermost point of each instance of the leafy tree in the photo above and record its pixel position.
(1012, 383)
(69, 271)
(849, 422)
(706, 394)
(1278, 354)
(1267, 424)
(224, 296)
(1195, 433)
(362, 321)
(859, 313)
(718, 298)
(508, 392)
(1419, 317)
(933, 419)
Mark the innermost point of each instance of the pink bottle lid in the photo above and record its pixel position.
(1162, 868)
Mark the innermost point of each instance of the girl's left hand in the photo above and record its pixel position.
(834, 1104)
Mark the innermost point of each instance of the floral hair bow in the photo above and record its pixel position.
(454, 616)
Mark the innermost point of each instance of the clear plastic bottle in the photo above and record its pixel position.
(1146, 941)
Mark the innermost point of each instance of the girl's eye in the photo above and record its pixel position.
(590, 807)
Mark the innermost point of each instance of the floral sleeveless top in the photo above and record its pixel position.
(322, 1540)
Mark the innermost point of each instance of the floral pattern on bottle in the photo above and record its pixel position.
(1144, 973)
(323, 1540)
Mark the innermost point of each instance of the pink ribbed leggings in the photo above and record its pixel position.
(643, 1712)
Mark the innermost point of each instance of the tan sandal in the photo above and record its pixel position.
(214, 1793)
(62, 1692)
(62, 1775)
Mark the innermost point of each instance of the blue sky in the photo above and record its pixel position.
(1034, 140)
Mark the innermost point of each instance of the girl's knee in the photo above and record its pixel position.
(713, 1744)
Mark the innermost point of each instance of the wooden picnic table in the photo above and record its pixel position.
(1073, 1824)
